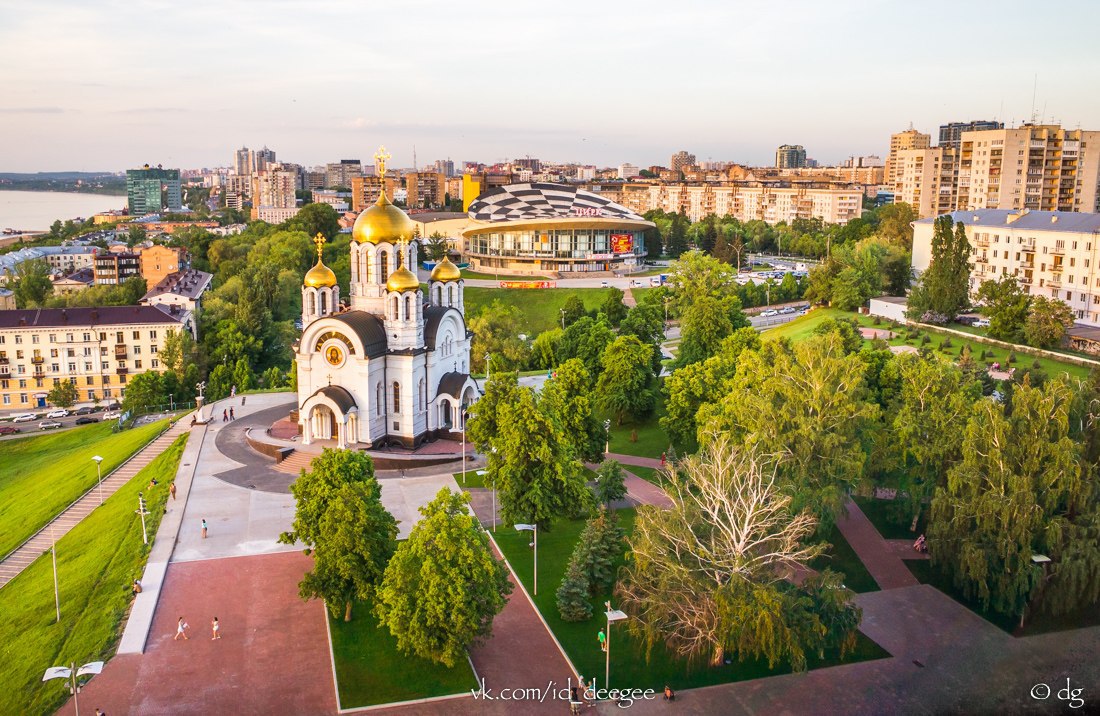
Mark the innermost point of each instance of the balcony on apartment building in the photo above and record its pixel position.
(38, 360)
(120, 351)
(121, 371)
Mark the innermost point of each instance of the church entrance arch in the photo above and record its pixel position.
(445, 414)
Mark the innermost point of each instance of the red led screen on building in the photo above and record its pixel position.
(622, 243)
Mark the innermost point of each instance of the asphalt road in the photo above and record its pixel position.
(31, 427)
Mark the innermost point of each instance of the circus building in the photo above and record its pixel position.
(390, 366)
(556, 228)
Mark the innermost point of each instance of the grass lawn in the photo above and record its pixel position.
(892, 520)
(629, 667)
(63, 462)
(540, 306)
(651, 442)
(1040, 623)
(803, 327)
(472, 478)
(649, 474)
(467, 273)
(370, 670)
(96, 564)
(840, 557)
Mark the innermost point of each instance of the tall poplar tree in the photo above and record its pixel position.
(944, 288)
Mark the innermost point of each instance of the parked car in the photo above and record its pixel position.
(787, 310)
(603, 284)
(86, 410)
(966, 320)
(48, 425)
(981, 323)
(24, 418)
(769, 314)
(60, 413)
(86, 420)
(112, 415)
(8, 430)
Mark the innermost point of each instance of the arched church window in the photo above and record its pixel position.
(384, 266)
(451, 295)
(408, 308)
(313, 303)
(324, 302)
(393, 308)
(396, 397)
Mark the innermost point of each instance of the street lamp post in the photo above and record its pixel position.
(607, 437)
(486, 368)
(171, 403)
(99, 468)
(613, 615)
(562, 310)
(72, 675)
(142, 511)
(534, 528)
(463, 414)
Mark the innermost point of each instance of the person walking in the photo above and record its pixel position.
(225, 416)
(204, 528)
(603, 640)
(181, 625)
(243, 397)
(172, 490)
(231, 415)
(214, 626)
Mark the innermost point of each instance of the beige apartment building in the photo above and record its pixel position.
(365, 191)
(158, 261)
(425, 190)
(1037, 167)
(1051, 253)
(97, 349)
(909, 139)
(745, 203)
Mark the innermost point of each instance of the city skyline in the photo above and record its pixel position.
(122, 85)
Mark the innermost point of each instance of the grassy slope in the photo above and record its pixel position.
(62, 462)
(803, 327)
(370, 670)
(540, 306)
(96, 563)
(629, 666)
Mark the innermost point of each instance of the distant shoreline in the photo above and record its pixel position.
(64, 190)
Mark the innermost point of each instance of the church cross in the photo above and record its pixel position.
(380, 158)
(319, 239)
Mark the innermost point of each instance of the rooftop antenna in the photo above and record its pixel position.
(1034, 91)
(414, 158)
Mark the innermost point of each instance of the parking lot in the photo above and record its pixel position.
(30, 427)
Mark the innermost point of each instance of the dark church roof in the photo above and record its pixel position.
(451, 384)
(338, 395)
(369, 328)
(433, 315)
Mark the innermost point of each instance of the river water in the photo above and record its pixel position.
(36, 210)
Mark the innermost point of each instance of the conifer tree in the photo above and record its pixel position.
(573, 604)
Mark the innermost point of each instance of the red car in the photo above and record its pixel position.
(8, 430)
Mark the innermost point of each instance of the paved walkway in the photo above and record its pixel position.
(881, 560)
(33, 548)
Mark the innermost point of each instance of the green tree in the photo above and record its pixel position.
(626, 384)
(586, 338)
(496, 330)
(1020, 490)
(63, 395)
(808, 405)
(315, 490)
(573, 310)
(566, 400)
(706, 576)
(943, 290)
(572, 595)
(443, 586)
(613, 306)
(313, 219)
(545, 348)
(144, 391)
(610, 482)
(1005, 303)
(704, 326)
(357, 538)
(218, 383)
(485, 420)
(1047, 322)
(243, 379)
(600, 544)
(436, 246)
(896, 224)
(135, 235)
(32, 283)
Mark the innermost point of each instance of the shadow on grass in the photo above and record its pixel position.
(892, 518)
(370, 670)
(840, 557)
(630, 667)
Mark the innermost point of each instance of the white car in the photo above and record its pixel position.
(603, 284)
(112, 415)
(24, 418)
(57, 414)
(769, 314)
(49, 425)
(981, 323)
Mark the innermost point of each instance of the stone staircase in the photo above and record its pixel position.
(20, 558)
(296, 462)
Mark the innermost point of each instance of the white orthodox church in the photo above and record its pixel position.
(389, 368)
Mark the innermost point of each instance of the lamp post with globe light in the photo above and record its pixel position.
(99, 468)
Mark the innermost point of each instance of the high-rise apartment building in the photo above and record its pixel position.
(340, 174)
(365, 191)
(274, 187)
(909, 139)
(951, 134)
(425, 190)
(262, 158)
(242, 161)
(927, 180)
(790, 156)
(627, 171)
(680, 161)
(446, 167)
(114, 267)
(150, 190)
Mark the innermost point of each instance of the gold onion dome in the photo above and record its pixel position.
(446, 271)
(320, 275)
(402, 280)
(383, 222)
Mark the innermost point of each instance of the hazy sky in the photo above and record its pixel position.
(107, 84)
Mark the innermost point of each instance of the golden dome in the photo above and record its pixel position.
(446, 271)
(383, 222)
(320, 276)
(402, 280)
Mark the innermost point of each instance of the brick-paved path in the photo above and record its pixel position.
(881, 561)
(273, 657)
(33, 548)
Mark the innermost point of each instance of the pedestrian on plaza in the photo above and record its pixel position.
(233, 392)
(172, 490)
(100, 713)
(204, 529)
(225, 416)
(663, 457)
(231, 415)
(181, 625)
(243, 397)
(214, 626)
(603, 640)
